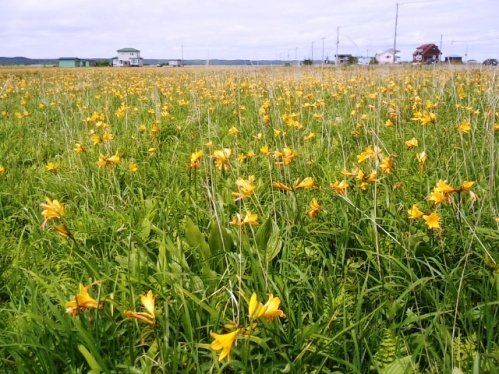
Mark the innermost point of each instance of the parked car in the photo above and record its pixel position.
(490, 61)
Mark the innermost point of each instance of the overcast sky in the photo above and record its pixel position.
(253, 29)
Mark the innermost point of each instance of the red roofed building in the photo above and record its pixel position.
(426, 54)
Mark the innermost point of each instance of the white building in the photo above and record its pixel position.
(387, 57)
(128, 57)
(175, 63)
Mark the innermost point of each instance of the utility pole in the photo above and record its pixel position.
(395, 35)
(440, 47)
(337, 46)
(312, 53)
(323, 50)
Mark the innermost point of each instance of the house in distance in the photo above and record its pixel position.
(75, 62)
(454, 60)
(128, 57)
(387, 57)
(426, 54)
(176, 63)
(344, 59)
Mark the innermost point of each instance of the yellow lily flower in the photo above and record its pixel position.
(250, 154)
(105, 161)
(115, 159)
(221, 158)
(250, 219)
(224, 342)
(149, 316)
(443, 186)
(96, 139)
(285, 157)
(268, 310)
(432, 220)
(52, 209)
(281, 186)
(102, 161)
(368, 153)
(438, 197)
(233, 131)
(422, 157)
(441, 192)
(79, 148)
(133, 167)
(361, 176)
(340, 187)
(464, 127)
(412, 143)
(62, 230)
(372, 177)
(307, 183)
(314, 208)
(82, 301)
(350, 173)
(246, 188)
(255, 308)
(288, 155)
(107, 137)
(196, 159)
(387, 164)
(272, 308)
(414, 212)
(310, 136)
(51, 167)
(466, 186)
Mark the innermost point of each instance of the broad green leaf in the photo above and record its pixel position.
(274, 245)
(91, 361)
(146, 229)
(195, 238)
(263, 233)
(399, 366)
(219, 240)
(261, 342)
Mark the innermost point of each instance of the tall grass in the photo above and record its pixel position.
(364, 287)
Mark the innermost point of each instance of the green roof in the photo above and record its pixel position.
(128, 50)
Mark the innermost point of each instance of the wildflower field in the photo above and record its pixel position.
(287, 220)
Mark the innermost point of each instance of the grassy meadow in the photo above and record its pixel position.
(287, 220)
